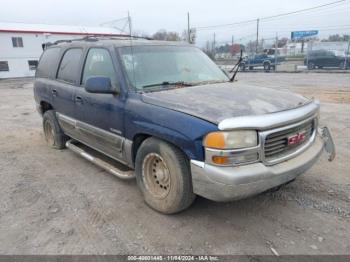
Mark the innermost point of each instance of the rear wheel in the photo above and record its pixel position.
(163, 176)
(242, 66)
(251, 68)
(310, 66)
(53, 133)
(342, 65)
(267, 66)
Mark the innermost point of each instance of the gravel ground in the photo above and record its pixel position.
(54, 202)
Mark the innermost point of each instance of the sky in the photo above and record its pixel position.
(148, 16)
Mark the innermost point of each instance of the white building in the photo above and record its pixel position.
(21, 44)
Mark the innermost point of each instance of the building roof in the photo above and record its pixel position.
(57, 29)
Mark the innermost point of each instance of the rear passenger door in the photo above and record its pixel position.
(63, 92)
(100, 116)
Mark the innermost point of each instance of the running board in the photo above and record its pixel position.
(128, 174)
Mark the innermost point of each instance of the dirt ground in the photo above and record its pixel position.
(54, 202)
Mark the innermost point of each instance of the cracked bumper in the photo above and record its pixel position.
(231, 183)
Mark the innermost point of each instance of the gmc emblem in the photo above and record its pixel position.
(296, 139)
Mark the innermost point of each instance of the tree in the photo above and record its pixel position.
(336, 38)
(166, 36)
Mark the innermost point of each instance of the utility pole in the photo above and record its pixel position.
(188, 28)
(232, 41)
(276, 50)
(257, 35)
(214, 45)
(347, 55)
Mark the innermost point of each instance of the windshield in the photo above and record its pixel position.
(159, 66)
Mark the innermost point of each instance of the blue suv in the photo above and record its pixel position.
(165, 113)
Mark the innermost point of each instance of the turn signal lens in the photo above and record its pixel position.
(231, 139)
(215, 140)
(221, 160)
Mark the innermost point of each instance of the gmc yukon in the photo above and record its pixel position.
(174, 120)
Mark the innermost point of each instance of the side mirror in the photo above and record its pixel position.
(100, 85)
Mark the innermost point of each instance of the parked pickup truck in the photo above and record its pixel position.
(174, 120)
(268, 62)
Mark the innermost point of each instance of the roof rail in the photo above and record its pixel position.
(94, 38)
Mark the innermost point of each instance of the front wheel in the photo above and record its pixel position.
(163, 176)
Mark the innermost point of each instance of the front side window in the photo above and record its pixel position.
(17, 42)
(69, 67)
(4, 66)
(151, 65)
(99, 63)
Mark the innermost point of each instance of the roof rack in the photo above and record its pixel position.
(94, 38)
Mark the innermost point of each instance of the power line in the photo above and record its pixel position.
(303, 10)
(271, 17)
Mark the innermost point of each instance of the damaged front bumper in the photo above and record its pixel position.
(230, 183)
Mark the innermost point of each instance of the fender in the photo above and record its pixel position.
(180, 129)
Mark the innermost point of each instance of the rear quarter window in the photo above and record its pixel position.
(48, 63)
(68, 70)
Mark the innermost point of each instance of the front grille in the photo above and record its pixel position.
(276, 144)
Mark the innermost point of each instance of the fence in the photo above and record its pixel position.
(282, 54)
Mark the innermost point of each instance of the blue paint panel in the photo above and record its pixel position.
(180, 129)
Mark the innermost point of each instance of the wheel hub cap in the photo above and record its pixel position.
(156, 175)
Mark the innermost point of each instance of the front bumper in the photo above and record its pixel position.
(231, 183)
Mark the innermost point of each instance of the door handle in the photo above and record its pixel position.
(78, 100)
(54, 92)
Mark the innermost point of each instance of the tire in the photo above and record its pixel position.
(251, 68)
(310, 66)
(267, 67)
(53, 133)
(242, 66)
(163, 176)
(342, 65)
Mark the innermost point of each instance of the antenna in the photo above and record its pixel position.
(131, 48)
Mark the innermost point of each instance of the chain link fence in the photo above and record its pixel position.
(285, 55)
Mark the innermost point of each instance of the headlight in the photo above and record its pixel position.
(231, 139)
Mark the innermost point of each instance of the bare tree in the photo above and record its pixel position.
(166, 36)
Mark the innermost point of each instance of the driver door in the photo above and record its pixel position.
(101, 116)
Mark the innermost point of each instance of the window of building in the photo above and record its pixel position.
(99, 63)
(33, 64)
(69, 67)
(47, 67)
(4, 66)
(17, 42)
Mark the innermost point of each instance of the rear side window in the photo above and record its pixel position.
(48, 63)
(69, 67)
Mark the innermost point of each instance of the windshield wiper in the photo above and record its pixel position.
(167, 83)
(236, 67)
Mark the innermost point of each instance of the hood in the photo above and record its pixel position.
(216, 102)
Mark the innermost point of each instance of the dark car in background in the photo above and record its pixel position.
(324, 58)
